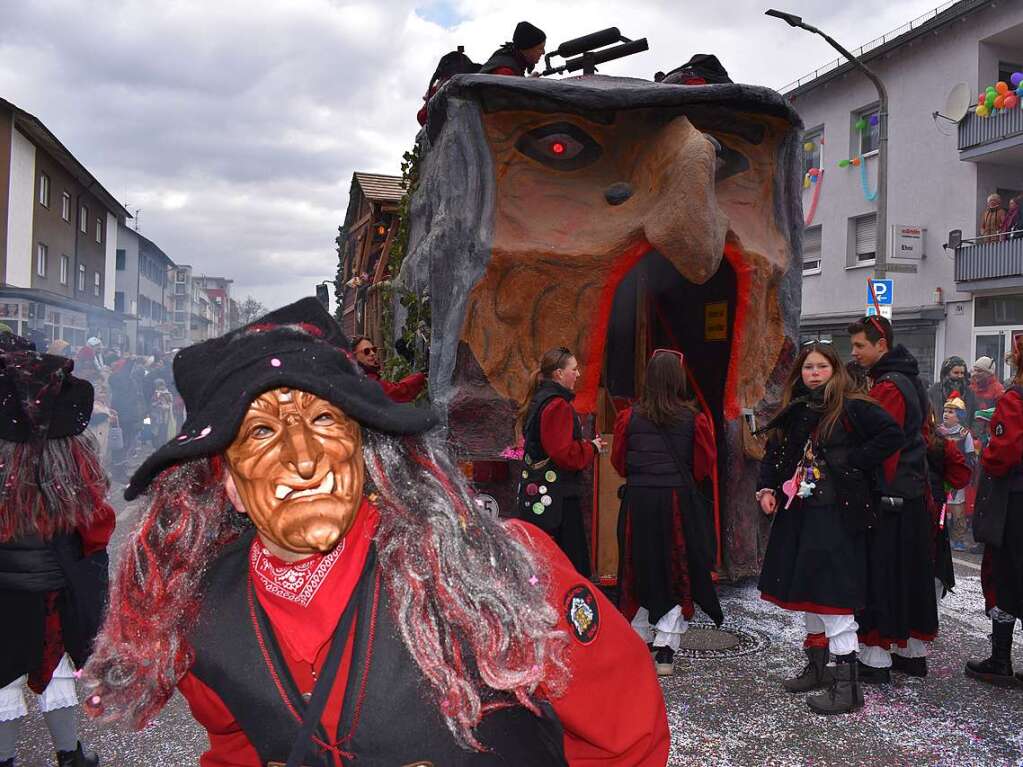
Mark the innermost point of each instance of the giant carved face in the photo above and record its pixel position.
(296, 468)
(612, 216)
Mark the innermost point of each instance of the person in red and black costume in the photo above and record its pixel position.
(815, 481)
(313, 575)
(1002, 575)
(367, 355)
(552, 431)
(520, 55)
(55, 524)
(664, 446)
(901, 617)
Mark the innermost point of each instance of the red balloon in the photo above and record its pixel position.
(981, 99)
(1011, 101)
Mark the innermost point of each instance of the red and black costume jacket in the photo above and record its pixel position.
(897, 387)
(1003, 456)
(405, 390)
(246, 684)
(57, 590)
(553, 430)
(506, 60)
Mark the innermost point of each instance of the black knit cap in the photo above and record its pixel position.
(299, 346)
(527, 36)
(39, 398)
(702, 66)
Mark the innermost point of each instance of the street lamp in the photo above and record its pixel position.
(881, 245)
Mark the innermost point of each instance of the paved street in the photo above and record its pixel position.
(729, 711)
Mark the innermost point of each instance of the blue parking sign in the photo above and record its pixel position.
(883, 290)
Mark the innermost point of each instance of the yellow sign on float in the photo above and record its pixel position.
(715, 321)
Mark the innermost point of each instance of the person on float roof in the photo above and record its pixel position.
(521, 55)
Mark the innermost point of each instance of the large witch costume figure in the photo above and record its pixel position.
(314, 577)
(55, 524)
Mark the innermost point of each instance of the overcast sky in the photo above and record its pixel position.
(236, 126)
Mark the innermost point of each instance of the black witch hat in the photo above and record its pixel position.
(299, 346)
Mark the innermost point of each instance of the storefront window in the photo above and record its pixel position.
(998, 310)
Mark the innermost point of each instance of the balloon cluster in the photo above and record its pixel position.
(811, 177)
(854, 161)
(1001, 96)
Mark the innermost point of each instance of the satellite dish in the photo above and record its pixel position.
(957, 104)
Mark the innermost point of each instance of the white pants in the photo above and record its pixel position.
(878, 657)
(839, 629)
(59, 693)
(668, 631)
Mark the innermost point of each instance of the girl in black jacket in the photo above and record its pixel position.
(815, 479)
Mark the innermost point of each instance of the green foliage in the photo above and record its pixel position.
(416, 331)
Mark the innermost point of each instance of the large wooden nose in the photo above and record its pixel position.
(301, 450)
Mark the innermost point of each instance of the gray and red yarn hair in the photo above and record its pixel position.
(469, 599)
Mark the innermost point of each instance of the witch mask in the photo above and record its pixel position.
(296, 469)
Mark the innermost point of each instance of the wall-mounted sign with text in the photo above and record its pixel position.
(907, 241)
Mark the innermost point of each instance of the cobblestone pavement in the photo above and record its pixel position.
(731, 710)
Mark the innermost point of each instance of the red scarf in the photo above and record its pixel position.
(304, 600)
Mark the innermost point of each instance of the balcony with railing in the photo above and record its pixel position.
(989, 262)
(991, 138)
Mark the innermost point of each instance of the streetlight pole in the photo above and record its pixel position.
(881, 236)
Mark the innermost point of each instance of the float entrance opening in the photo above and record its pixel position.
(656, 307)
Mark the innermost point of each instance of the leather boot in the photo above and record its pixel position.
(816, 675)
(910, 666)
(870, 675)
(997, 669)
(77, 758)
(844, 695)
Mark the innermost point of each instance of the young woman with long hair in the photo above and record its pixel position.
(815, 480)
(1002, 573)
(664, 446)
(555, 455)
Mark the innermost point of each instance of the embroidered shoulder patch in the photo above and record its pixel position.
(999, 430)
(580, 606)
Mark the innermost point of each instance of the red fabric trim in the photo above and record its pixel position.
(873, 638)
(504, 71)
(620, 446)
(743, 286)
(627, 583)
(1004, 451)
(680, 560)
(806, 607)
(53, 646)
(815, 640)
(586, 396)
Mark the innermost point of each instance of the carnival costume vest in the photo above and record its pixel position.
(389, 716)
(649, 461)
(911, 473)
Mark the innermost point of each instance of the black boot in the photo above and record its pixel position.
(910, 666)
(815, 676)
(77, 758)
(844, 695)
(7, 762)
(664, 661)
(871, 675)
(997, 669)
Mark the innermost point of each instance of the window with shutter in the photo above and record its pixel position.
(866, 238)
(812, 249)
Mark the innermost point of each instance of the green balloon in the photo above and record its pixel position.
(861, 125)
(990, 100)
(843, 163)
(991, 89)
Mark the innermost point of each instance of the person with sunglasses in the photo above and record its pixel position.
(664, 446)
(555, 455)
(815, 482)
(367, 355)
(901, 616)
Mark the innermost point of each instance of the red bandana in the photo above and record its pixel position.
(304, 600)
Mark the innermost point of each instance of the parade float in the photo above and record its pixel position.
(613, 216)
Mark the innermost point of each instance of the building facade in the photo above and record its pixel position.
(218, 292)
(142, 292)
(58, 236)
(933, 186)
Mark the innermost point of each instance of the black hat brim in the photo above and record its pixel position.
(312, 366)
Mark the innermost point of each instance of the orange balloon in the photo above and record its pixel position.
(999, 101)
(1002, 87)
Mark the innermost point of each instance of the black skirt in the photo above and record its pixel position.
(900, 578)
(1008, 560)
(815, 562)
(665, 554)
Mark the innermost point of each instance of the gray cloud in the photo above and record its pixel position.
(236, 126)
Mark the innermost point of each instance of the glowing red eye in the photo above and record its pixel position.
(558, 148)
